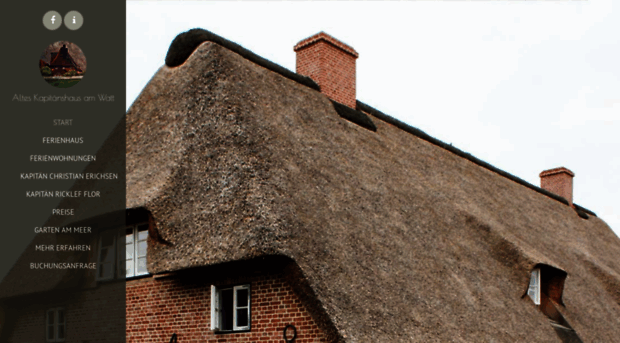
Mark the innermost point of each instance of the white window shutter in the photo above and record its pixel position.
(534, 288)
(215, 309)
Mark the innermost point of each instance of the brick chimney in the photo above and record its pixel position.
(558, 181)
(331, 64)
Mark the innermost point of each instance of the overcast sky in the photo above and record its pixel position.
(524, 86)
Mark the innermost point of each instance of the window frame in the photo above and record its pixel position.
(56, 324)
(118, 252)
(136, 256)
(101, 263)
(533, 290)
(216, 308)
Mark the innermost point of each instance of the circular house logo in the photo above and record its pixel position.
(62, 64)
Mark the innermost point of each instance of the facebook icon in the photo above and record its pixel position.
(52, 20)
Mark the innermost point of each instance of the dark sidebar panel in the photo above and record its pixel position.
(64, 246)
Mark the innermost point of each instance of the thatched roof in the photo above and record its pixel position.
(64, 54)
(400, 239)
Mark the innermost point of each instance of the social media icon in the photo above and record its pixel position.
(73, 20)
(52, 20)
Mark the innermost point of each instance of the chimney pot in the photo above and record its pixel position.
(558, 181)
(331, 64)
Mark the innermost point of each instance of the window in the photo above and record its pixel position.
(230, 308)
(105, 264)
(55, 325)
(534, 290)
(128, 259)
(545, 289)
(135, 250)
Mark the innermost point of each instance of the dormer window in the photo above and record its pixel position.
(534, 289)
(546, 284)
(135, 250)
(123, 254)
(545, 290)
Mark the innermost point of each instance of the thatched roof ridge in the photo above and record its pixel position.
(421, 134)
(185, 43)
(399, 239)
(355, 116)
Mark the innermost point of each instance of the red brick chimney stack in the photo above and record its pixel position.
(331, 64)
(558, 181)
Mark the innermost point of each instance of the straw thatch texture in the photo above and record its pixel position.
(400, 240)
(355, 116)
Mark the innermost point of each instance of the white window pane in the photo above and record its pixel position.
(534, 288)
(142, 248)
(50, 317)
(128, 252)
(129, 268)
(129, 235)
(142, 265)
(143, 235)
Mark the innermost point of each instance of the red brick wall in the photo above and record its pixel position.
(157, 308)
(331, 64)
(91, 315)
(558, 181)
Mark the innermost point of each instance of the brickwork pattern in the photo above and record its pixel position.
(91, 316)
(157, 308)
(558, 181)
(331, 64)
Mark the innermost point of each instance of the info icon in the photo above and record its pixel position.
(74, 20)
(52, 20)
(62, 64)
